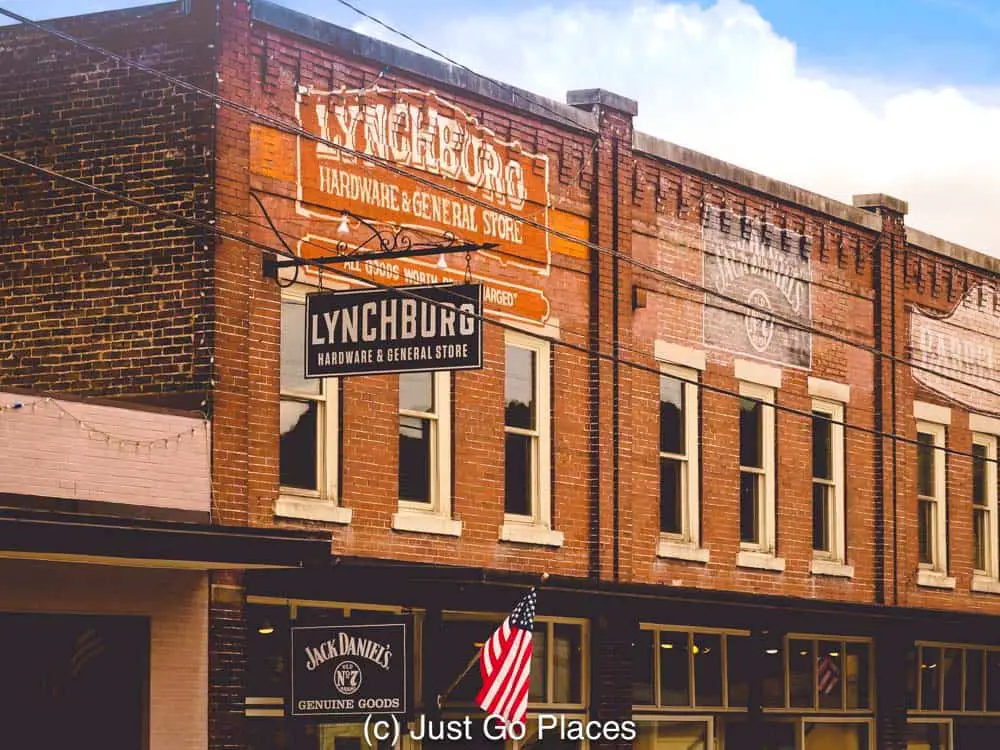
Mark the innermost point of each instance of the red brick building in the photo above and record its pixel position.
(750, 432)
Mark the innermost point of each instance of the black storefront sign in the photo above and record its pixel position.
(401, 329)
(351, 671)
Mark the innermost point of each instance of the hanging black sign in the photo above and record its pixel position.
(350, 670)
(402, 329)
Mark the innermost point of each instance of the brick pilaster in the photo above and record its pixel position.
(226, 662)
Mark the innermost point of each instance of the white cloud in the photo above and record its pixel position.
(718, 79)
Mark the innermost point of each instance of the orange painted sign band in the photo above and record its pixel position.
(425, 135)
(499, 297)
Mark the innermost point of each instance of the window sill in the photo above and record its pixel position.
(833, 568)
(311, 510)
(985, 584)
(934, 579)
(426, 523)
(676, 550)
(760, 561)
(530, 533)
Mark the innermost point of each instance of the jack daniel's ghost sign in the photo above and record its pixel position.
(350, 670)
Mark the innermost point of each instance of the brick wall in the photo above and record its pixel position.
(176, 603)
(668, 235)
(100, 297)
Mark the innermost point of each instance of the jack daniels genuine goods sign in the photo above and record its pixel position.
(402, 329)
(351, 670)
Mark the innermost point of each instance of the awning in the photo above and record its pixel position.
(32, 534)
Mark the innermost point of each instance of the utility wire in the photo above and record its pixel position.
(391, 167)
(403, 291)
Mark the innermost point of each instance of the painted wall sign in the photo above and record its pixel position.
(960, 346)
(347, 671)
(406, 329)
(774, 279)
(422, 134)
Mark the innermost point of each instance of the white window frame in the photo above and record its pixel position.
(685, 365)
(535, 528)
(322, 504)
(763, 553)
(986, 580)
(834, 561)
(433, 517)
(935, 573)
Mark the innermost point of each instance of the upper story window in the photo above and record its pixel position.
(757, 470)
(310, 425)
(828, 512)
(527, 441)
(984, 505)
(425, 454)
(932, 510)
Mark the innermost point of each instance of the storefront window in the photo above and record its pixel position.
(557, 658)
(954, 678)
(690, 669)
(928, 736)
(690, 735)
(839, 735)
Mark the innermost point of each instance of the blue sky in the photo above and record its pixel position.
(836, 96)
(905, 41)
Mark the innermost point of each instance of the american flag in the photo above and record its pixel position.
(828, 675)
(505, 664)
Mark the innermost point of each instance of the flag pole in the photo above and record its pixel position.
(479, 652)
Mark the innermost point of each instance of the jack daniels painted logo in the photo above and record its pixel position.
(350, 670)
(764, 276)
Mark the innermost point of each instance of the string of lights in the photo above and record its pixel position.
(612, 358)
(99, 433)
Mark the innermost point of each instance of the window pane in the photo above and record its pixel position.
(927, 736)
(749, 505)
(822, 446)
(978, 474)
(751, 425)
(674, 684)
(689, 735)
(979, 544)
(707, 654)
(298, 450)
(519, 387)
(642, 672)
(952, 675)
(830, 674)
(671, 492)
(930, 671)
(293, 350)
(802, 675)
(416, 391)
(773, 676)
(974, 680)
(539, 664)
(820, 736)
(414, 459)
(925, 464)
(925, 531)
(517, 474)
(738, 665)
(993, 680)
(671, 415)
(822, 507)
(267, 650)
(568, 659)
(857, 675)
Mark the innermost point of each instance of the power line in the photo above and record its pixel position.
(482, 318)
(389, 166)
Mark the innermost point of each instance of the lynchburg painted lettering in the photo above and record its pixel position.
(425, 139)
(392, 320)
(347, 645)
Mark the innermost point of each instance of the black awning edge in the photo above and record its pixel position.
(39, 533)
